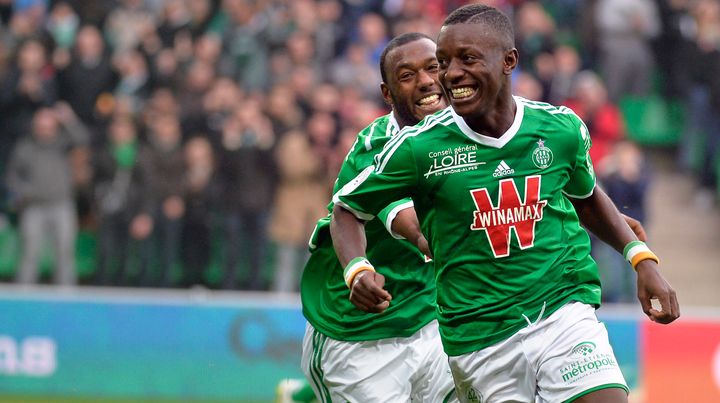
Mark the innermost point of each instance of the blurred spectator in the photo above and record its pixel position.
(327, 32)
(301, 195)
(174, 19)
(567, 66)
(202, 15)
(301, 50)
(534, 32)
(303, 80)
(134, 80)
(625, 30)
(201, 198)
(355, 69)
(165, 69)
(218, 103)
(63, 24)
(527, 86)
(157, 228)
(26, 19)
(116, 199)
(372, 34)
(243, 43)
(626, 179)
(39, 178)
(128, 23)
(247, 180)
(87, 75)
(283, 109)
(29, 85)
(208, 49)
(199, 79)
(603, 119)
(701, 139)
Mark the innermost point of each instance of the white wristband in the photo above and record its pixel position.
(357, 265)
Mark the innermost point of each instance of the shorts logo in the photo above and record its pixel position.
(583, 349)
(474, 396)
(585, 360)
(542, 157)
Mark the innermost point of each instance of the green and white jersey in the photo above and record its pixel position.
(410, 280)
(506, 241)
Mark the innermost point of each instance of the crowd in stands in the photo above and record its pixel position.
(190, 134)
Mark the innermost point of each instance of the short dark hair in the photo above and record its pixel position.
(396, 42)
(486, 15)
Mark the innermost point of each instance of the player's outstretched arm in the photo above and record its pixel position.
(599, 215)
(366, 285)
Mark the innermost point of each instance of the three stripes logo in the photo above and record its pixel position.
(503, 169)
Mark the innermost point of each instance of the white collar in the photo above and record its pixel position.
(492, 141)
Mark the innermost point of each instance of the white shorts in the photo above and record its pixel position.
(400, 369)
(555, 359)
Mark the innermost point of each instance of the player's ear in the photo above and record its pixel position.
(385, 90)
(510, 61)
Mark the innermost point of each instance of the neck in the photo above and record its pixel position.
(403, 122)
(496, 121)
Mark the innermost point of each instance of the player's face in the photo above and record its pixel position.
(413, 88)
(475, 68)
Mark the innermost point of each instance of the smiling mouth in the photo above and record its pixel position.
(429, 100)
(462, 92)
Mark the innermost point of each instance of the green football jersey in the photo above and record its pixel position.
(410, 280)
(506, 240)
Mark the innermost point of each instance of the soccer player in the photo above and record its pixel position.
(407, 330)
(351, 355)
(498, 183)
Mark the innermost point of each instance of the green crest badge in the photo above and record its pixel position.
(583, 349)
(474, 396)
(542, 157)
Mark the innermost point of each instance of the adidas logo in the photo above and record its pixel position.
(503, 169)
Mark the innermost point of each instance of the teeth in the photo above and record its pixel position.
(463, 92)
(430, 99)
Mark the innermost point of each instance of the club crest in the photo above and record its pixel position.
(542, 156)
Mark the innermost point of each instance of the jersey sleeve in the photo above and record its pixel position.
(388, 214)
(392, 178)
(349, 168)
(582, 178)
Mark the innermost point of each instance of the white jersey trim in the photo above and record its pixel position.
(349, 187)
(581, 196)
(391, 130)
(311, 245)
(393, 127)
(391, 217)
(492, 141)
(441, 117)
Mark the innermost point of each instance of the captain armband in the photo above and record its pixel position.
(357, 265)
(637, 251)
